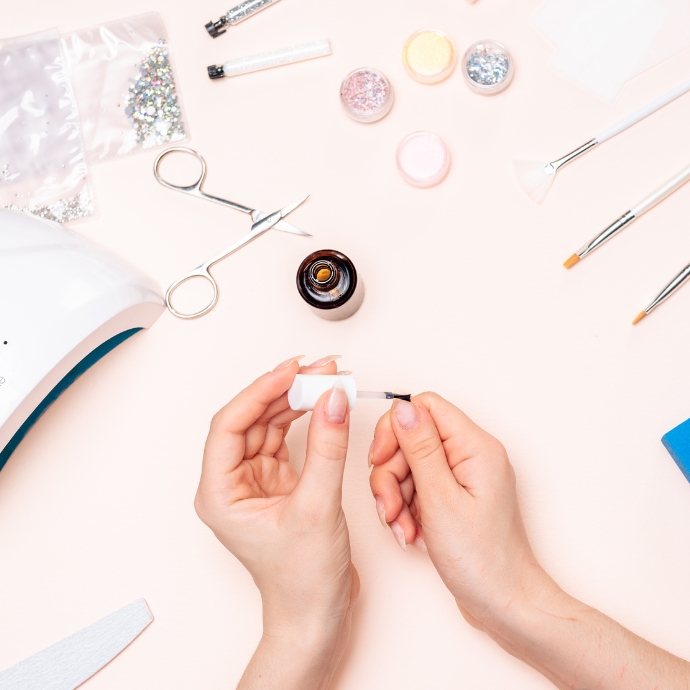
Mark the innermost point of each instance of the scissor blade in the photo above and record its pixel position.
(280, 225)
(286, 227)
(272, 220)
(289, 209)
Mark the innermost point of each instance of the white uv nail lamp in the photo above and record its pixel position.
(64, 304)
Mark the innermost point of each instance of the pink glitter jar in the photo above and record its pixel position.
(423, 159)
(366, 95)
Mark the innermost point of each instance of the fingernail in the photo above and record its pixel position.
(323, 361)
(336, 407)
(420, 544)
(288, 362)
(407, 414)
(370, 459)
(399, 534)
(381, 511)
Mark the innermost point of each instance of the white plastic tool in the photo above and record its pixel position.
(64, 304)
(536, 178)
(276, 58)
(307, 389)
(68, 664)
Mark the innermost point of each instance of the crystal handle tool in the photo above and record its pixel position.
(672, 186)
(238, 14)
(275, 58)
(71, 662)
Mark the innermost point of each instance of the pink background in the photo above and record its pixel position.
(466, 295)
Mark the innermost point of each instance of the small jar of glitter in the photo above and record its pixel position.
(366, 95)
(488, 67)
(429, 56)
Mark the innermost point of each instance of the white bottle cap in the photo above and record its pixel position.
(307, 389)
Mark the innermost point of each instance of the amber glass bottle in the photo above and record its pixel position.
(328, 282)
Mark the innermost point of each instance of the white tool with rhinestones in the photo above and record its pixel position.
(276, 58)
(536, 179)
(263, 222)
(71, 662)
(308, 388)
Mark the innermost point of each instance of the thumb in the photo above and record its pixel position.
(422, 447)
(322, 476)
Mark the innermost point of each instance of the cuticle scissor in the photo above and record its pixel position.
(262, 222)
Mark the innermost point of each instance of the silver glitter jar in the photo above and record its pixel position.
(488, 67)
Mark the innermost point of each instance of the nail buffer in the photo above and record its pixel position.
(71, 662)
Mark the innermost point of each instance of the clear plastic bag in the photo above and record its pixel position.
(604, 43)
(42, 159)
(125, 87)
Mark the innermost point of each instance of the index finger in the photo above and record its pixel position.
(226, 441)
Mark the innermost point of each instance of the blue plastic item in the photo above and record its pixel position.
(677, 443)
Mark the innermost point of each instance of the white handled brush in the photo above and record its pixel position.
(537, 178)
(654, 199)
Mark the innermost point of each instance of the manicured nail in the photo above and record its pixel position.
(370, 459)
(336, 406)
(399, 534)
(381, 511)
(323, 361)
(288, 362)
(406, 414)
(420, 544)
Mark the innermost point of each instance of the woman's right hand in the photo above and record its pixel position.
(443, 484)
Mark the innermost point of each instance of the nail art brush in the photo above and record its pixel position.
(238, 14)
(537, 178)
(672, 186)
(308, 388)
(672, 287)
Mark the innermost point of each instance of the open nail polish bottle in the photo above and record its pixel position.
(328, 282)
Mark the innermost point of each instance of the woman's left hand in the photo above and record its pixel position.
(289, 531)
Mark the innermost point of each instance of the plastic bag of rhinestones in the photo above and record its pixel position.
(126, 90)
(42, 158)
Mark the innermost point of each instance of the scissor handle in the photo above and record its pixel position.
(190, 189)
(201, 272)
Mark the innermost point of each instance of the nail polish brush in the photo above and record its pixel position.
(536, 179)
(670, 289)
(672, 186)
(238, 14)
(275, 58)
(307, 389)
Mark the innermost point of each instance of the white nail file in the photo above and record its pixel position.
(71, 662)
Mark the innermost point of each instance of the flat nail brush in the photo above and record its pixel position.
(672, 287)
(629, 217)
(237, 14)
(536, 179)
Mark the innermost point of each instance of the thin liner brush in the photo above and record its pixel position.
(672, 186)
(536, 179)
(670, 289)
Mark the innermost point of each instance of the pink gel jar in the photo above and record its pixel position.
(366, 95)
(423, 159)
